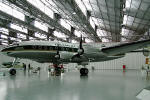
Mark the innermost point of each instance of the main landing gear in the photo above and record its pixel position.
(84, 72)
(57, 69)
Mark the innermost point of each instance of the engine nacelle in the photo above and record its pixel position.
(66, 55)
(83, 63)
(146, 52)
(80, 51)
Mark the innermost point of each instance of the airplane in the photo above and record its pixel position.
(9, 64)
(63, 52)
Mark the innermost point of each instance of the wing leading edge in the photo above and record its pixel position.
(126, 47)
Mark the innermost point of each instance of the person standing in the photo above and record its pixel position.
(29, 66)
(24, 66)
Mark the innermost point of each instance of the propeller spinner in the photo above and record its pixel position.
(57, 56)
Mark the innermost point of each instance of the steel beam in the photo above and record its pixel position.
(32, 10)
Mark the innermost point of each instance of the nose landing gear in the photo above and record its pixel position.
(84, 72)
(57, 71)
(12, 71)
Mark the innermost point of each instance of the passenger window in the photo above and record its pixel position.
(56, 48)
(62, 48)
(40, 47)
(52, 48)
(72, 49)
(67, 49)
(19, 48)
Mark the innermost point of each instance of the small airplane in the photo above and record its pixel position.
(9, 64)
(63, 53)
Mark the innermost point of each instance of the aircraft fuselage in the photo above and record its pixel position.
(44, 51)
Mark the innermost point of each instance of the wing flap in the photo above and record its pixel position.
(126, 47)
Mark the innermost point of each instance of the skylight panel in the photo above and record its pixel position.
(87, 4)
(65, 24)
(18, 14)
(49, 12)
(4, 42)
(81, 6)
(59, 34)
(124, 19)
(128, 3)
(4, 36)
(74, 41)
(88, 40)
(12, 38)
(4, 30)
(42, 6)
(101, 32)
(79, 33)
(41, 26)
(105, 40)
(21, 36)
(92, 23)
(16, 27)
(9, 10)
(5, 8)
(42, 36)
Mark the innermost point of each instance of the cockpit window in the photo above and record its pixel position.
(103, 45)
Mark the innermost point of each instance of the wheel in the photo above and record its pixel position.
(57, 71)
(84, 71)
(12, 71)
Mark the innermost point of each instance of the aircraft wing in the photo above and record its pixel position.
(126, 47)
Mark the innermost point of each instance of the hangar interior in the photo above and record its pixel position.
(98, 21)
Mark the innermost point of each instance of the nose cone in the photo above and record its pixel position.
(8, 49)
(3, 50)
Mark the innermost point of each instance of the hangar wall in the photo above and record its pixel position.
(131, 60)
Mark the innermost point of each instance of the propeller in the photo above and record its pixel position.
(57, 56)
(80, 49)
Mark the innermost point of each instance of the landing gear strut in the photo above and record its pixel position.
(12, 71)
(84, 71)
(57, 71)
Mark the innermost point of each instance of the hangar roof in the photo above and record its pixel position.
(66, 20)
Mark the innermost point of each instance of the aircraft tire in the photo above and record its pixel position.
(57, 71)
(12, 71)
(84, 71)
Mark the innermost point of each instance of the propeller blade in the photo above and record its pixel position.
(57, 53)
(80, 50)
(80, 45)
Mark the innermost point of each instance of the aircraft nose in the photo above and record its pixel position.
(7, 49)
(4, 50)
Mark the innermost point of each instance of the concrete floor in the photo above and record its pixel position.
(99, 85)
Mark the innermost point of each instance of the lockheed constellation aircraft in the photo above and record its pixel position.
(62, 52)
